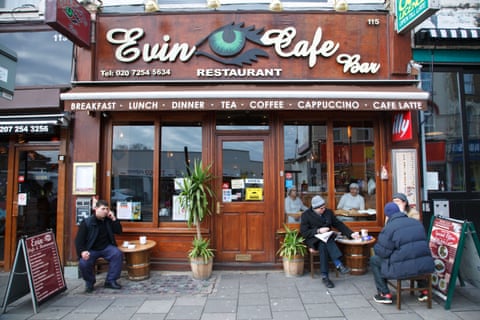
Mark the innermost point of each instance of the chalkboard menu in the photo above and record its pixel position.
(455, 249)
(36, 269)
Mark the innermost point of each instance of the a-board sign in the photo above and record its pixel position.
(456, 251)
(36, 269)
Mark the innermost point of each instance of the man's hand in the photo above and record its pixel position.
(85, 255)
(111, 216)
(323, 230)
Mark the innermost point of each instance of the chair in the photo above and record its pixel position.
(101, 265)
(397, 285)
(312, 253)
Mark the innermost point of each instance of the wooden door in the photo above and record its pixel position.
(244, 231)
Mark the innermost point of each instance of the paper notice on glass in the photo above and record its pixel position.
(324, 236)
(127, 210)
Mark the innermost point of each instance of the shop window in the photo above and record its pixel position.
(132, 172)
(305, 165)
(44, 57)
(354, 172)
(443, 135)
(180, 146)
(472, 104)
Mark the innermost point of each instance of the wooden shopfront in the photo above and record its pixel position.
(270, 100)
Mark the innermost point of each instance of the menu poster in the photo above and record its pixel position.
(444, 240)
(37, 264)
(456, 249)
(404, 173)
(47, 273)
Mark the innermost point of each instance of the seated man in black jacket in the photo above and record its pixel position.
(95, 239)
(317, 220)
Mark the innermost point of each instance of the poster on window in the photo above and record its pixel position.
(179, 213)
(129, 210)
(405, 173)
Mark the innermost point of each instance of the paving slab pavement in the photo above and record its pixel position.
(231, 295)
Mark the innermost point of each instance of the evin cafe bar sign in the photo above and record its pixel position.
(222, 49)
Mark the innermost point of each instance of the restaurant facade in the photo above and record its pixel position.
(269, 100)
(315, 100)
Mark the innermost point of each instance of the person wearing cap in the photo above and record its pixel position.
(401, 251)
(352, 200)
(402, 201)
(293, 204)
(317, 220)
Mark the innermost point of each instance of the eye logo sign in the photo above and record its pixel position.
(227, 45)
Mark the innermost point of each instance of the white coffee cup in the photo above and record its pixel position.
(125, 244)
(143, 239)
(364, 232)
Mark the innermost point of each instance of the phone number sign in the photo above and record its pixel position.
(26, 129)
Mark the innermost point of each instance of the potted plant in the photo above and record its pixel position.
(293, 250)
(195, 192)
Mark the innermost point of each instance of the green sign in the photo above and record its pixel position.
(410, 13)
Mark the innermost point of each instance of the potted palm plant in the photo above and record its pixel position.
(195, 192)
(293, 250)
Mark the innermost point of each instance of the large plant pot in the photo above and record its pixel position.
(293, 267)
(201, 270)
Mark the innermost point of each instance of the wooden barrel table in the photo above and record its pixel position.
(356, 254)
(138, 259)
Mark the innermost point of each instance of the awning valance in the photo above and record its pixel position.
(245, 97)
(448, 36)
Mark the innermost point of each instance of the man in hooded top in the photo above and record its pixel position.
(401, 251)
(317, 220)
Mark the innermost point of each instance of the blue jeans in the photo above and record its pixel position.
(115, 261)
(380, 282)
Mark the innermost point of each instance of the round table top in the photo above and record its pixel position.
(354, 242)
(138, 247)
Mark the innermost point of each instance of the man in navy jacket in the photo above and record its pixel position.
(401, 251)
(95, 239)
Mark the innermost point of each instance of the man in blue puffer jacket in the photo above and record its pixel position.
(401, 251)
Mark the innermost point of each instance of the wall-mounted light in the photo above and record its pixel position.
(340, 5)
(213, 4)
(276, 5)
(151, 6)
(92, 6)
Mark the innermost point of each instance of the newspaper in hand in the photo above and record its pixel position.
(325, 236)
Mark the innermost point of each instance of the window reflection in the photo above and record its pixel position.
(472, 104)
(44, 57)
(180, 146)
(132, 172)
(443, 130)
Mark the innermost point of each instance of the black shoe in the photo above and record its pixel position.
(89, 288)
(112, 285)
(328, 283)
(343, 269)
